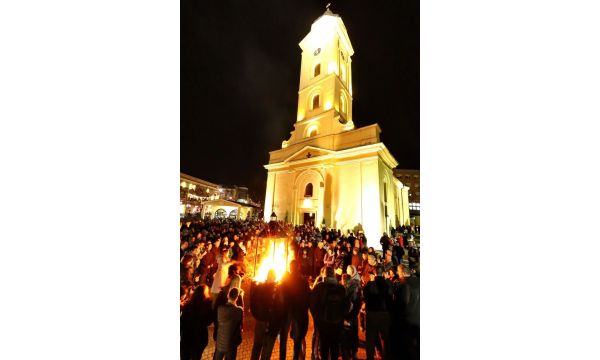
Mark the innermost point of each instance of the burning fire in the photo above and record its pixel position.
(274, 257)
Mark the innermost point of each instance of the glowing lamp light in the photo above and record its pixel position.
(300, 116)
(327, 105)
(307, 203)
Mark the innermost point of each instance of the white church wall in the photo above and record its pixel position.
(371, 209)
(346, 196)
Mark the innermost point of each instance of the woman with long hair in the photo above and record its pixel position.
(196, 315)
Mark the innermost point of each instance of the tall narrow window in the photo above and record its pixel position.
(315, 101)
(308, 191)
(343, 104)
(385, 192)
(317, 71)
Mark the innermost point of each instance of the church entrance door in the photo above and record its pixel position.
(308, 218)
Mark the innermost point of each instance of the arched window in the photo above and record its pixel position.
(220, 214)
(315, 101)
(233, 214)
(308, 191)
(317, 70)
(312, 131)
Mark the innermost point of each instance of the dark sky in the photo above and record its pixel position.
(240, 71)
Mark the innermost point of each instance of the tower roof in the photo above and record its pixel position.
(327, 13)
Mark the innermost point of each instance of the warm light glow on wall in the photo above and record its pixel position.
(300, 115)
(332, 68)
(307, 203)
(322, 30)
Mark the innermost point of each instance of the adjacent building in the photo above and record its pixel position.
(330, 172)
(411, 178)
(210, 200)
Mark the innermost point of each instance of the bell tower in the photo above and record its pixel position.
(328, 172)
(325, 92)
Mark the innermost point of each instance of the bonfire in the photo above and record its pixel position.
(275, 252)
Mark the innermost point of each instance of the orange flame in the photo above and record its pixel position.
(274, 257)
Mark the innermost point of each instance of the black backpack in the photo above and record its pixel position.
(333, 305)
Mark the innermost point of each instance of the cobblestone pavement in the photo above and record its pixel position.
(245, 348)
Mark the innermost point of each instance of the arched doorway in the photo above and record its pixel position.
(220, 214)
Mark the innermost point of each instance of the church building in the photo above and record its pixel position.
(329, 172)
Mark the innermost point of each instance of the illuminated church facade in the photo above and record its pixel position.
(329, 172)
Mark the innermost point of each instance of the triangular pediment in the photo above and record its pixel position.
(308, 152)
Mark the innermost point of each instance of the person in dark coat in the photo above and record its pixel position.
(316, 349)
(306, 262)
(328, 306)
(261, 306)
(196, 315)
(230, 319)
(340, 260)
(378, 295)
(296, 294)
(318, 255)
(311, 254)
(354, 295)
(385, 242)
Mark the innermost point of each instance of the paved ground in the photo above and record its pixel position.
(245, 349)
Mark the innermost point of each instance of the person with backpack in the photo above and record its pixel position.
(378, 297)
(328, 306)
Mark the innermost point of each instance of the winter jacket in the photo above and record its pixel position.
(230, 320)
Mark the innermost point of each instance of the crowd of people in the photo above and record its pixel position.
(346, 286)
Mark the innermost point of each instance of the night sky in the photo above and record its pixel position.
(240, 70)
